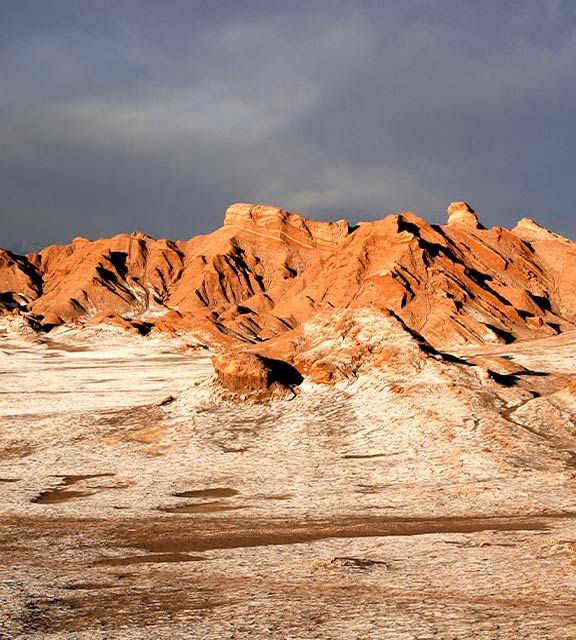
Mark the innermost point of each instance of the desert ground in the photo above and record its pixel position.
(139, 502)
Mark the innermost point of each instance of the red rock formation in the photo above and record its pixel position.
(453, 284)
(19, 281)
(267, 271)
(462, 213)
(240, 272)
(557, 255)
(126, 275)
(245, 372)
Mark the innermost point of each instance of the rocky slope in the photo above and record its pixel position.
(266, 273)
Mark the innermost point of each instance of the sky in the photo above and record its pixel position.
(155, 115)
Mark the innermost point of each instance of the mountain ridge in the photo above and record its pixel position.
(267, 271)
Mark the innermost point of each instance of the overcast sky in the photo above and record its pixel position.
(155, 115)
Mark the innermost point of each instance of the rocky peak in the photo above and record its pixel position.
(243, 214)
(462, 213)
(140, 235)
(282, 225)
(529, 230)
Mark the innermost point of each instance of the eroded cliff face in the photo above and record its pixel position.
(255, 283)
(235, 277)
(20, 281)
(128, 275)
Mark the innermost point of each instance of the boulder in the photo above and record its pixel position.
(249, 373)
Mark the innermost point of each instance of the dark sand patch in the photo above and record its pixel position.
(68, 480)
(203, 507)
(62, 346)
(368, 489)
(90, 586)
(356, 563)
(18, 450)
(56, 496)
(217, 492)
(367, 456)
(246, 534)
(9, 480)
(163, 534)
(62, 493)
(151, 558)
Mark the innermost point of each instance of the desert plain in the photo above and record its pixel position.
(425, 502)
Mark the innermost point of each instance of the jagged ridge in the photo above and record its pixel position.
(266, 271)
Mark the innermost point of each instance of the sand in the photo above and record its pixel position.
(430, 503)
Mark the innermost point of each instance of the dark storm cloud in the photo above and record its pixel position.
(123, 115)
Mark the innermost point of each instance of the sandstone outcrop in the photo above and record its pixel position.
(20, 282)
(462, 213)
(236, 275)
(453, 284)
(126, 275)
(557, 255)
(277, 224)
(244, 372)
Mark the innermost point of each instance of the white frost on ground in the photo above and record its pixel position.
(433, 441)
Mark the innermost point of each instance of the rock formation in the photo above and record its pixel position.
(557, 255)
(244, 372)
(462, 213)
(127, 275)
(267, 274)
(19, 281)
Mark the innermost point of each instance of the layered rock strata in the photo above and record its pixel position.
(256, 281)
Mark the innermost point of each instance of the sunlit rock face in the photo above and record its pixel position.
(19, 281)
(244, 372)
(267, 271)
(462, 213)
